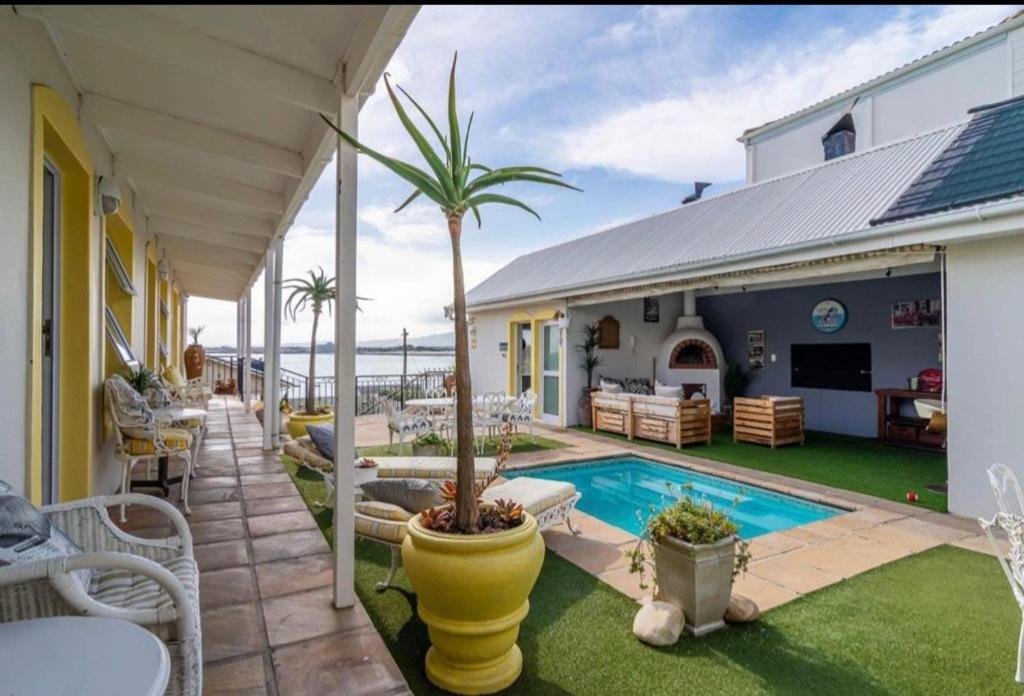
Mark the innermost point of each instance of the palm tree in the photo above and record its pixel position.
(317, 291)
(448, 184)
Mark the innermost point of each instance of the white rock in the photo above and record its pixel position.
(742, 610)
(658, 623)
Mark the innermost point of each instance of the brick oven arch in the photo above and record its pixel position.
(693, 354)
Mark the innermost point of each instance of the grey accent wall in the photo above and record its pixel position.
(784, 314)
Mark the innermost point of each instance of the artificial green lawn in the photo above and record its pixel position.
(521, 443)
(942, 622)
(856, 464)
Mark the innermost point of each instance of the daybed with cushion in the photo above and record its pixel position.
(662, 418)
(550, 502)
(72, 560)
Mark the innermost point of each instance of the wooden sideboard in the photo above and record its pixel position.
(898, 426)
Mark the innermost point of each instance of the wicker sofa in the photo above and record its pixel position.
(661, 418)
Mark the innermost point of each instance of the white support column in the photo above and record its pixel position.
(247, 353)
(345, 355)
(278, 318)
(239, 348)
(270, 409)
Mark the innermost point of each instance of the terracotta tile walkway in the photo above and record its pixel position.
(265, 578)
(785, 565)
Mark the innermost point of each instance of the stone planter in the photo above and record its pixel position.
(697, 579)
(472, 593)
(586, 416)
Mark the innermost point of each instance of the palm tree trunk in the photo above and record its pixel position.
(310, 384)
(466, 512)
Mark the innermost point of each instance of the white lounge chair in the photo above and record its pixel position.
(1009, 520)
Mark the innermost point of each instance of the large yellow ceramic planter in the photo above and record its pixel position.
(297, 422)
(473, 592)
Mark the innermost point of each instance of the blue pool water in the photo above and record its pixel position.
(620, 492)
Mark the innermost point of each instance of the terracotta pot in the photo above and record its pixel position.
(697, 578)
(583, 406)
(195, 361)
(472, 593)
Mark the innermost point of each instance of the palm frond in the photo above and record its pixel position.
(453, 123)
(482, 198)
(441, 171)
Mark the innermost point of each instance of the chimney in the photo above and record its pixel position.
(698, 189)
(841, 139)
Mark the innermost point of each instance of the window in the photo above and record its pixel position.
(124, 278)
(119, 341)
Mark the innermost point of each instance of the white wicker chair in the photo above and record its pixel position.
(520, 412)
(151, 582)
(1010, 522)
(141, 437)
(405, 423)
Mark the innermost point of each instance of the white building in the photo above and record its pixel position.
(858, 228)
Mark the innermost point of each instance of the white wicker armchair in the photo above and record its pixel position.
(151, 582)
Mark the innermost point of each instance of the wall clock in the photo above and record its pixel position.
(828, 316)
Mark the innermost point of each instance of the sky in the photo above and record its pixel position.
(631, 104)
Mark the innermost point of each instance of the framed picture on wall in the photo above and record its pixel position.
(755, 349)
(652, 310)
(916, 314)
(755, 337)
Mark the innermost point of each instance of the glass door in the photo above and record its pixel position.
(550, 361)
(51, 333)
(524, 355)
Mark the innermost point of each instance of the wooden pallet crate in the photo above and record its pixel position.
(769, 420)
(664, 419)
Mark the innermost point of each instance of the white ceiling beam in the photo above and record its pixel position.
(119, 115)
(192, 279)
(133, 167)
(200, 274)
(209, 254)
(167, 227)
(192, 50)
(185, 207)
(380, 27)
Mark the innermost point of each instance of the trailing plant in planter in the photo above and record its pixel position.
(589, 361)
(696, 553)
(428, 444)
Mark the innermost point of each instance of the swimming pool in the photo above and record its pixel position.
(615, 490)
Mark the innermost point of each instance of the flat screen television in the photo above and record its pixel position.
(845, 366)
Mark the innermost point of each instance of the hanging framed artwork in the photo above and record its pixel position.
(755, 349)
(916, 314)
(652, 310)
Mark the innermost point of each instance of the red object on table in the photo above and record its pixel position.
(930, 380)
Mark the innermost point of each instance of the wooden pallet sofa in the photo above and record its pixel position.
(661, 418)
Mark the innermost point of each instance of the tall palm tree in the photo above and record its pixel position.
(448, 184)
(316, 292)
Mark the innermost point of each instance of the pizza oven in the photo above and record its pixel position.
(691, 355)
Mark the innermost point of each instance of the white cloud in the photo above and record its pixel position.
(692, 136)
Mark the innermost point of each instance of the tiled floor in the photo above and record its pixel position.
(269, 627)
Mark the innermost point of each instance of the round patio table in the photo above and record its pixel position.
(175, 414)
(86, 656)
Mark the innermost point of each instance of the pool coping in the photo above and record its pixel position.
(785, 565)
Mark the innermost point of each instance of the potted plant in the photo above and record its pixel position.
(141, 378)
(696, 553)
(472, 570)
(195, 354)
(317, 292)
(428, 445)
(734, 383)
(589, 361)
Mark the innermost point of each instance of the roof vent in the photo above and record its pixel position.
(698, 189)
(841, 138)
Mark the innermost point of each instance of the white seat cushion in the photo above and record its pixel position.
(535, 495)
(127, 590)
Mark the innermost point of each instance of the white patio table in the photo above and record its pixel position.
(85, 656)
(447, 402)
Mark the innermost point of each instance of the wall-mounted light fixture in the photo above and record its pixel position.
(563, 319)
(108, 195)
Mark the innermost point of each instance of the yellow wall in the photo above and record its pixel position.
(536, 320)
(57, 137)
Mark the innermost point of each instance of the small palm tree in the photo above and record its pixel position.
(448, 184)
(316, 292)
(194, 333)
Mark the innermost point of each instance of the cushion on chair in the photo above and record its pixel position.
(174, 377)
(535, 495)
(388, 531)
(415, 495)
(383, 511)
(26, 534)
(174, 439)
(665, 390)
(127, 590)
(323, 437)
(611, 386)
(188, 423)
(428, 467)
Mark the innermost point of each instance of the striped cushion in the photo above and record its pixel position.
(127, 590)
(189, 423)
(535, 495)
(380, 530)
(383, 511)
(428, 467)
(174, 439)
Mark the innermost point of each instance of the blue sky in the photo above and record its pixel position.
(631, 104)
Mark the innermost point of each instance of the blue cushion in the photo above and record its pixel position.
(323, 437)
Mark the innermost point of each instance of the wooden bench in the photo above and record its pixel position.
(664, 419)
(768, 420)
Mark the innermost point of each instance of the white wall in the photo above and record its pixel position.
(936, 96)
(27, 57)
(985, 371)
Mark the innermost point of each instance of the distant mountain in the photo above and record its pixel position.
(439, 343)
(445, 341)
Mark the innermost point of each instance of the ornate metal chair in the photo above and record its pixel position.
(520, 412)
(409, 422)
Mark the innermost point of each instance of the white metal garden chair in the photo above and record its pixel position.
(143, 438)
(150, 582)
(520, 412)
(409, 422)
(488, 415)
(1009, 519)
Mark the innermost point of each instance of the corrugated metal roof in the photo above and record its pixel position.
(985, 162)
(816, 204)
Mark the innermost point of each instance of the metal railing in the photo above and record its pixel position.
(370, 389)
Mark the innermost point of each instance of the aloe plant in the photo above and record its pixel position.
(458, 185)
(141, 378)
(194, 333)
